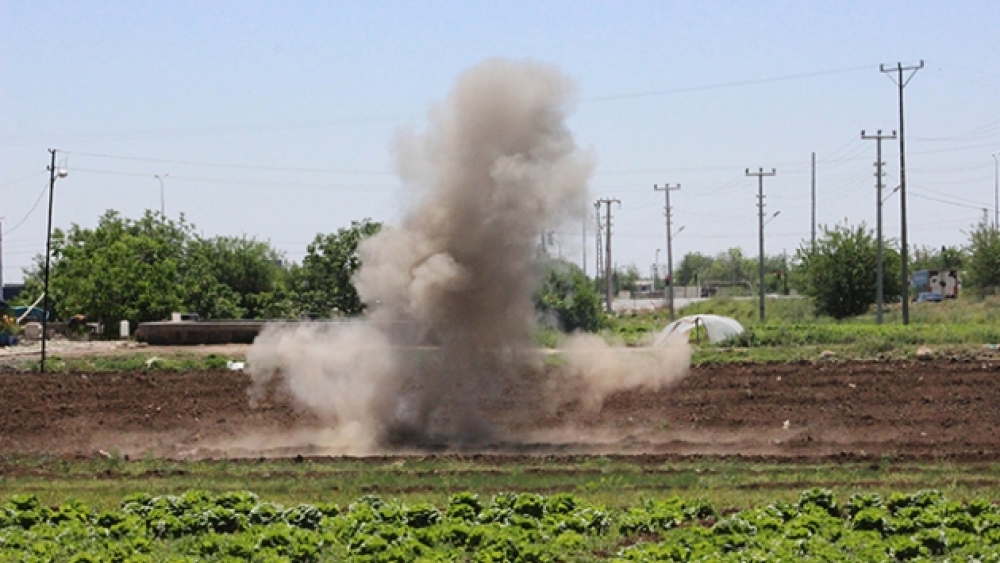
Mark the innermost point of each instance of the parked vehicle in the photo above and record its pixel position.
(942, 282)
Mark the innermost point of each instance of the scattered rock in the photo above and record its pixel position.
(925, 353)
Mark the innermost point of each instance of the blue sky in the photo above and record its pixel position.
(277, 120)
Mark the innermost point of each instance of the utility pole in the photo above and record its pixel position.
(813, 246)
(668, 212)
(879, 174)
(599, 255)
(48, 254)
(609, 301)
(760, 217)
(996, 192)
(901, 83)
(1, 258)
(583, 246)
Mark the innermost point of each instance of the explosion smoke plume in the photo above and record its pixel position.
(496, 167)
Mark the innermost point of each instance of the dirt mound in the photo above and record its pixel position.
(927, 409)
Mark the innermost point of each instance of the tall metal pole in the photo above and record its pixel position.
(996, 192)
(583, 247)
(609, 300)
(1, 259)
(598, 254)
(668, 211)
(760, 232)
(162, 207)
(656, 268)
(901, 83)
(48, 255)
(813, 245)
(879, 174)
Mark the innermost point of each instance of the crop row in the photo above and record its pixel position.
(239, 526)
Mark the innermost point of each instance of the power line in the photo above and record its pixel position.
(228, 165)
(723, 85)
(30, 211)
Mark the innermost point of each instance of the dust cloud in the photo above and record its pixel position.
(445, 357)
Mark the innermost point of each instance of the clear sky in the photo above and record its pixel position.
(276, 120)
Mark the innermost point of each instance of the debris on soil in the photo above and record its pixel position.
(207, 413)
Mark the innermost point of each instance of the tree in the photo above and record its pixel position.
(145, 269)
(983, 264)
(120, 270)
(840, 273)
(692, 269)
(249, 277)
(627, 277)
(324, 282)
(947, 258)
(567, 297)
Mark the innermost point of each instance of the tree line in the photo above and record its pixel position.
(144, 269)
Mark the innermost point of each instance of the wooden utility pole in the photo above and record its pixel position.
(879, 174)
(760, 219)
(901, 83)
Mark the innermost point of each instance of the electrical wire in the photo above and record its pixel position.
(723, 85)
(30, 211)
(227, 165)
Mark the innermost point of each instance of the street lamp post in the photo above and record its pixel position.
(160, 178)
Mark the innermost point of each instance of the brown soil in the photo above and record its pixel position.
(925, 410)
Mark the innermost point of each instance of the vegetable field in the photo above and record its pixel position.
(240, 526)
(828, 460)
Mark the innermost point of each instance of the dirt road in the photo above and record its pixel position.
(932, 409)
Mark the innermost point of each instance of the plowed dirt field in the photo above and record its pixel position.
(941, 409)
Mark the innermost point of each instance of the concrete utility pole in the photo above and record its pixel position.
(583, 246)
(901, 83)
(599, 254)
(996, 192)
(609, 300)
(1, 258)
(879, 174)
(813, 246)
(760, 217)
(668, 212)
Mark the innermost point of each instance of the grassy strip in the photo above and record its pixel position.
(611, 481)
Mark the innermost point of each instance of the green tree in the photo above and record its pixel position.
(945, 258)
(840, 273)
(983, 264)
(324, 282)
(692, 269)
(567, 297)
(143, 270)
(120, 270)
(250, 280)
(626, 278)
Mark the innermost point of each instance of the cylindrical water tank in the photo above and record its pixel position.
(123, 330)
